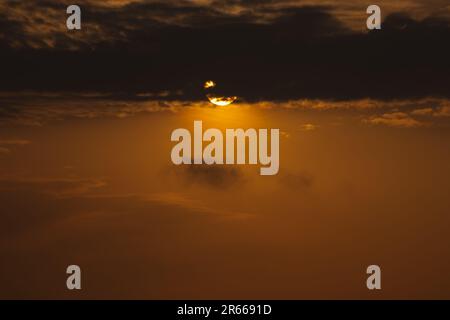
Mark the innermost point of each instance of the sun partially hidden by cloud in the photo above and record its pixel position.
(221, 101)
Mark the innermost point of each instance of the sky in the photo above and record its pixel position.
(86, 176)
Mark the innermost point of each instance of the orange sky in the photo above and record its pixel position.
(101, 192)
(86, 176)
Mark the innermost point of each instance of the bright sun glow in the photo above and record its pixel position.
(222, 101)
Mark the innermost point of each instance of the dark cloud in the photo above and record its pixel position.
(297, 181)
(215, 176)
(39, 108)
(266, 54)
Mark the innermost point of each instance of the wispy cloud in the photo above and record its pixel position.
(439, 112)
(178, 199)
(412, 115)
(6, 144)
(297, 181)
(34, 109)
(395, 119)
(308, 127)
(57, 187)
(14, 142)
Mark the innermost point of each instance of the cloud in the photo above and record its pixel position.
(395, 119)
(113, 22)
(34, 109)
(14, 142)
(215, 176)
(308, 127)
(30, 205)
(156, 237)
(34, 202)
(5, 144)
(38, 109)
(422, 112)
(258, 50)
(180, 200)
(438, 112)
(297, 181)
(56, 187)
(442, 112)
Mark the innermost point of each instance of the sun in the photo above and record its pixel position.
(221, 101)
(215, 98)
